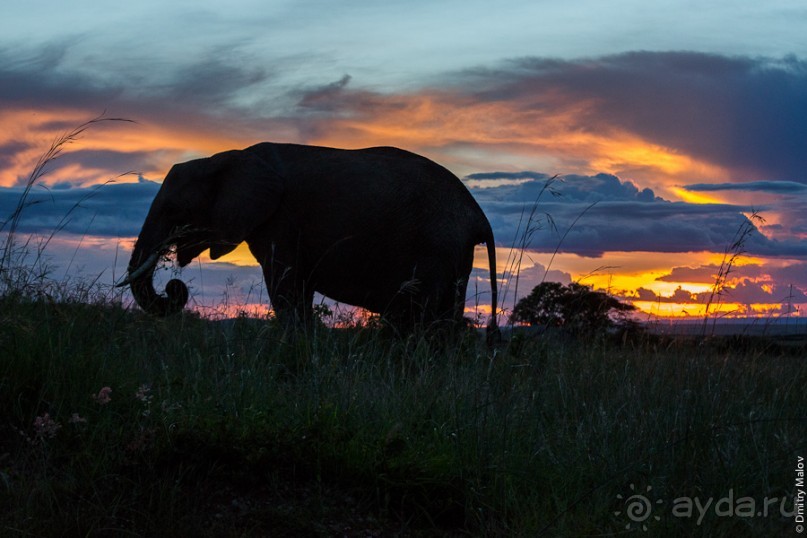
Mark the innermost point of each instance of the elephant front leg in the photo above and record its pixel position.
(292, 301)
(291, 298)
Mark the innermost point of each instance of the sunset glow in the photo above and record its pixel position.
(695, 197)
(638, 169)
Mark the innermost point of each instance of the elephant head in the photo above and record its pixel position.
(214, 203)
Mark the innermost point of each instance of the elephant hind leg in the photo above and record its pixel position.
(448, 304)
(430, 306)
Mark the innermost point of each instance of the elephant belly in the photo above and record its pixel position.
(383, 288)
(391, 272)
(359, 290)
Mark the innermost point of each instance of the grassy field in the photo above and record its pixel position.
(113, 423)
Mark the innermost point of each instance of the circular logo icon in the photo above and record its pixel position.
(638, 508)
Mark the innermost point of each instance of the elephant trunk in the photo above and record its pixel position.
(141, 280)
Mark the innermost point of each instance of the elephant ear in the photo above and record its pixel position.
(249, 193)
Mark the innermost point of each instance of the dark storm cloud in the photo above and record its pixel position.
(602, 187)
(590, 215)
(112, 210)
(746, 114)
(9, 150)
(776, 187)
(215, 81)
(44, 78)
(34, 79)
(748, 292)
(107, 159)
(508, 175)
(315, 110)
(325, 98)
(743, 292)
(191, 99)
(704, 274)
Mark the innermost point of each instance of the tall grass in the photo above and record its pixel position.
(23, 268)
(530, 221)
(731, 255)
(540, 440)
(113, 423)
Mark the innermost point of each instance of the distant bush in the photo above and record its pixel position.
(574, 307)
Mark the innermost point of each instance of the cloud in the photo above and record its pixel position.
(328, 98)
(744, 292)
(590, 215)
(107, 159)
(526, 174)
(513, 282)
(750, 292)
(648, 116)
(776, 187)
(111, 210)
(603, 187)
(705, 274)
(9, 152)
(619, 129)
(679, 295)
(746, 284)
(48, 76)
(33, 78)
(747, 115)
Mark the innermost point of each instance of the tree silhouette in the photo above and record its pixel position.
(575, 307)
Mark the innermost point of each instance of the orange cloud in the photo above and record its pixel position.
(552, 132)
(31, 133)
(557, 134)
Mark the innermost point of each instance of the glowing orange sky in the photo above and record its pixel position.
(169, 143)
(459, 133)
(692, 108)
(548, 139)
(430, 123)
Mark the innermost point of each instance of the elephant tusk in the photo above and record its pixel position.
(135, 274)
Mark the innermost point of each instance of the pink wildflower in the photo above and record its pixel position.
(142, 441)
(103, 397)
(142, 393)
(45, 426)
(76, 419)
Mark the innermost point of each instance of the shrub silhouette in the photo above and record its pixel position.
(575, 307)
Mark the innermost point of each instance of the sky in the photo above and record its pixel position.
(620, 144)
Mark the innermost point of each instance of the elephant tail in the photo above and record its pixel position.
(492, 332)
